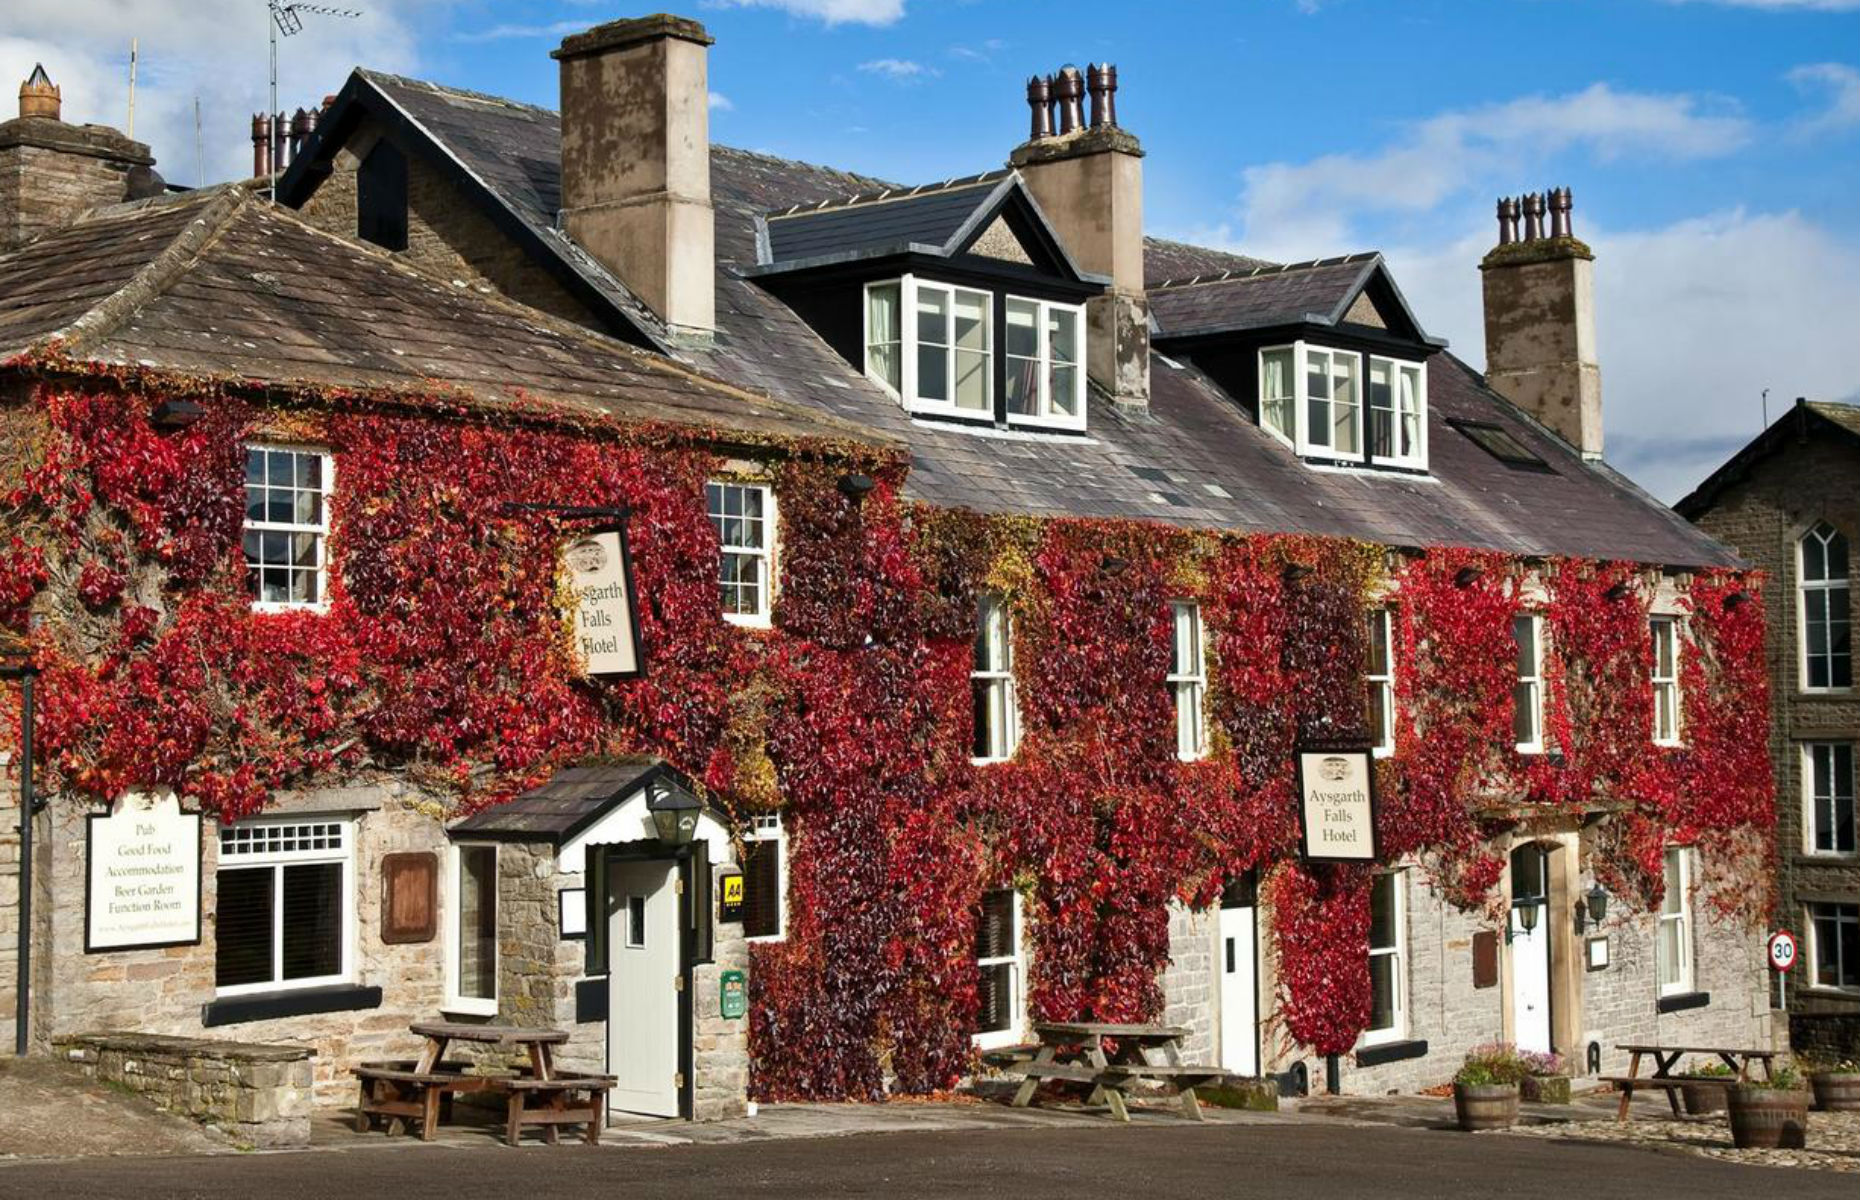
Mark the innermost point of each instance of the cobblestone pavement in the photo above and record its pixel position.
(1833, 1139)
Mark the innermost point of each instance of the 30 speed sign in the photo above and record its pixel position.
(1782, 950)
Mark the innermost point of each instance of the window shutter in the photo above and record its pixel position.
(1485, 959)
(594, 949)
(762, 888)
(409, 897)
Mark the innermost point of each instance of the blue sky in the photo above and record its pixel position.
(1713, 145)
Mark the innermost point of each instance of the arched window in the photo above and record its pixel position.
(1826, 644)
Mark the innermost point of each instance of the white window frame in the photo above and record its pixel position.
(1288, 436)
(1300, 438)
(768, 827)
(1398, 1028)
(909, 289)
(1383, 684)
(320, 530)
(995, 624)
(231, 859)
(1666, 697)
(763, 617)
(1815, 805)
(1813, 941)
(1804, 586)
(1418, 459)
(1684, 981)
(1536, 681)
(1048, 416)
(895, 391)
(1188, 682)
(477, 1006)
(1017, 1022)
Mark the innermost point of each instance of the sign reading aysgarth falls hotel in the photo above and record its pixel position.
(1001, 577)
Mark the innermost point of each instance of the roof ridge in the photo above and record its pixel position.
(153, 277)
(1239, 273)
(894, 193)
(447, 89)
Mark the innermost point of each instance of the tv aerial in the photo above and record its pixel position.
(286, 21)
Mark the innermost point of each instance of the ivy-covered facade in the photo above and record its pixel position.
(990, 680)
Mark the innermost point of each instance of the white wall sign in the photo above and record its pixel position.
(142, 887)
(1337, 810)
(606, 625)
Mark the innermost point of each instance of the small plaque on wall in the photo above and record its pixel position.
(1485, 958)
(572, 913)
(1595, 951)
(730, 898)
(409, 897)
(142, 876)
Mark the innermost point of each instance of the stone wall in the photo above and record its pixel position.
(258, 1095)
(1191, 982)
(448, 234)
(1763, 516)
(166, 990)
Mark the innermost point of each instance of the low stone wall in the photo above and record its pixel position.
(259, 1095)
(1825, 1035)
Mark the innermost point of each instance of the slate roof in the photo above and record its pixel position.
(218, 283)
(1807, 419)
(572, 799)
(888, 222)
(1252, 298)
(1195, 459)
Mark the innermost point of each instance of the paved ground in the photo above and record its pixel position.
(1312, 1159)
(47, 1107)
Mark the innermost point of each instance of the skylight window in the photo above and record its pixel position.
(1498, 441)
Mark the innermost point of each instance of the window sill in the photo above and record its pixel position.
(455, 1007)
(1681, 1001)
(267, 1006)
(1389, 1052)
(743, 622)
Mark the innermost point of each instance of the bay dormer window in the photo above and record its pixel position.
(1312, 398)
(933, 345)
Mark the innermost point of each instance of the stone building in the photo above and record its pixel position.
(781, 357)
(1789, 504)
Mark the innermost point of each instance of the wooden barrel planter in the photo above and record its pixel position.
(1768, 1118)
(1837, 1091)
(1701, 1098)
(1486, 1105)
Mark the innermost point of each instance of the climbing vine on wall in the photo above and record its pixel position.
(440, 654)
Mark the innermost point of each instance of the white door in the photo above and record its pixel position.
(642, 987)
(1530, 952)
(1239, 991)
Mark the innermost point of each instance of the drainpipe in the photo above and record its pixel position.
(28, 807)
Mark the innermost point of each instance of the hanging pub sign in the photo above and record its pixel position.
(142, 876)
(1336, 803)
(606, 617)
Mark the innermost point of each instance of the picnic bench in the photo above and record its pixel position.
(1663, 1078)
(404, 1092)
(1109, 1060)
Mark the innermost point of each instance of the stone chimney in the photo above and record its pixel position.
(1540, 319)
(1087, 176)
(636, 161)
(51, 172)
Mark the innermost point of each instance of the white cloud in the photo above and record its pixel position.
(833, 12)
(498, 33)
(898, 70)
(984, 51)
(211, 49)
(1693, 321)
(721, 103)
(1303, 209)
(1841, 84)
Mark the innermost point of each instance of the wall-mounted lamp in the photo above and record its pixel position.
(674, 814)
(1294, 572)
(1735, 598)
(1466, 575)
(855, 486)
(1525, 914)
(1111, 564)
(1618, 592)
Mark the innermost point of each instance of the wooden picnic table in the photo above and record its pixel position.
(1076, 1053)
(421, 1090)
(1665, 1058)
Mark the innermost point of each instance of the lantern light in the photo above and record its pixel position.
(674, 814)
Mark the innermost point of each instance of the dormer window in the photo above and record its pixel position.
(1312, 399)
(933, 346)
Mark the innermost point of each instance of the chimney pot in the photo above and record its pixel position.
(1040, 101)
(261, 145)
(1101, 81)
(1507, 221)
(1069, 90)
(1560, 205)
(1533, 217)
(39, 96)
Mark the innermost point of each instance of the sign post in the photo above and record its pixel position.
(142, 883)
(1782, 960)
(1336, 803)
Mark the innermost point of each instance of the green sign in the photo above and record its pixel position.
(733, 993)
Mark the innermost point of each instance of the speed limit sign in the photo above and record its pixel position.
(1782, 950)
